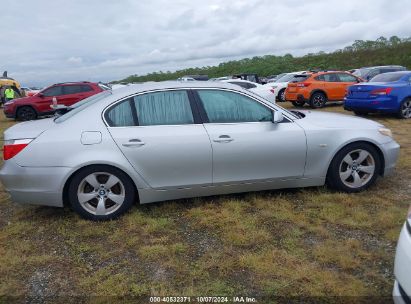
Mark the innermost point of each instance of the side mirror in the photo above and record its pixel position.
(277, 116)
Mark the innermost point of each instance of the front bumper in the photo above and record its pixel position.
(402, 269)
(34, 185)
(391, 151)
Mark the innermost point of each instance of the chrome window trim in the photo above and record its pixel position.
(273, 107)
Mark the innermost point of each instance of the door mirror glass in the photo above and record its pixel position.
(277, 116)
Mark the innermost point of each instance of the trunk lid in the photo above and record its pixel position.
(28, 129)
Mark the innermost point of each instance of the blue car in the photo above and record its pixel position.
(385, 93)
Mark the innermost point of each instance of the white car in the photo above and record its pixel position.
(402, 266)
(280, 85)
(259, 89)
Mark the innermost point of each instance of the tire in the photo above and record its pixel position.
(318, 100)
(114, 196)
(405, 109)
(26, 113)
(281, 95)
(354, 168)
(298, 104)
(358, 113)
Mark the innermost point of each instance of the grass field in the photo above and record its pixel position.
(275, 243)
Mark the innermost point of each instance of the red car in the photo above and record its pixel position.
(67, 94)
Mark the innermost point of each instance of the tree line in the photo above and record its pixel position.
(383, 51)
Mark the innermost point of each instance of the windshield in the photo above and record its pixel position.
(361, 72)
(388, 77)
(299, 78)
(81, 105)
(285, 78)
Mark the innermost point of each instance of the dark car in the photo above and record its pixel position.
(67, 94)
(369, 72)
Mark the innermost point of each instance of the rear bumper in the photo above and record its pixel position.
(34, 185)
(391, 151)
(375, 105)
(402, 268)
(295, 97)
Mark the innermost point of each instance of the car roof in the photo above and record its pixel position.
(382, 66)
(151, 86)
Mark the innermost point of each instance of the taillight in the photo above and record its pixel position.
(13, 147)
(384, 91)
(303, 84)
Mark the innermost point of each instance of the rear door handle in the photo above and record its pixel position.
(223, 139)
(134, 143)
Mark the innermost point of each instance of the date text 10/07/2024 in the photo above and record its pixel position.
(205, 299)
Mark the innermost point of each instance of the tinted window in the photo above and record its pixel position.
(226, 107)
(72, 89)
(53, 91)
(299, 78)
(244, 85)
(121, 114)
(387, 77)
(328, 77)
(346, 78)
(163, 108)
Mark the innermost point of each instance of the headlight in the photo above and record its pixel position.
(385, 131)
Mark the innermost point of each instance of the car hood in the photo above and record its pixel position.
(28, 129)
(337, 121)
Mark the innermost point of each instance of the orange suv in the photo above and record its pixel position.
(318, 88)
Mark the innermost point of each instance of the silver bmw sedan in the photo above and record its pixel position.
(169, 140)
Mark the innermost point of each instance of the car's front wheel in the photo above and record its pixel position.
(405, 109)
(26, 113)
(354, 168)
(101, 192)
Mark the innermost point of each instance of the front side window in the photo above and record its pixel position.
(163, 108)
(332, 77)
(229, 107)
(53, 91)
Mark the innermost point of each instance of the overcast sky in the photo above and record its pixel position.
(48, 41)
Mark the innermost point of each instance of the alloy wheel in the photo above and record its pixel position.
(357, 168)
(318, 101)
(101, 193)
(406, 109)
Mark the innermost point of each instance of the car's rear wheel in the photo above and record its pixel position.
(26, 113)
(318, 100)
(101, 193)
(360, 113)
(281, 95)
(354, 168)
(405, 109)
(298, 103)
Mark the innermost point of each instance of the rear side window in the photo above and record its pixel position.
(53, 91)
(121, 114)
(163, 108)
(229, 107)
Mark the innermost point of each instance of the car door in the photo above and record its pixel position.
(247, 145)
(346, 80)
(332, 86)
(162, 138)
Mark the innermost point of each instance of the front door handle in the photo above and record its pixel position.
(223, 139)
(135, 142)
